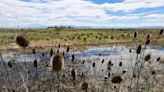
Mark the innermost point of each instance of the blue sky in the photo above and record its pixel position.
(93, 13)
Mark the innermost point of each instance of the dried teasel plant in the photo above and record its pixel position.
(22, 41)
(138, 51)
(135, 34)
(84, 86)
(51, 52)
(116, 79)
(74, 73)
(35, 63)
(147, 57)
(57, 62)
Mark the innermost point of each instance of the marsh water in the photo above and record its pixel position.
(92, 54)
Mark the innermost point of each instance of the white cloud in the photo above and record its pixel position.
(69, 12)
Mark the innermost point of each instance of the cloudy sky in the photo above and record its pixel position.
(94, 13)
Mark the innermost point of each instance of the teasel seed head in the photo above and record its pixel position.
(161, 32)
(22, 41)
(35, 63)
(102, 61)
(68, 49)
(34, 51)
(120, 64)
(59, 46)
(130, 50)
(73, 57)
(10, 65)
(51, 52)
(83, 62)
(84, 86)
(148, 37)
(147, 57)
(74, 73)
(153, 72)
(116, 79)
(93, 65)
(138, 51)
(147, 41)
(57, 62)
(135, 34)
(124, 71)
(158, 59)
(43, 54)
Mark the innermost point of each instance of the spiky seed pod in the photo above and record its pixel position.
(116, 79)
(57, 62)
(22, 41)
(35, 63)
(73, 57)
(83, 62)
(105, 78)
(43, 54)
(57, 51)
(59, 46)
(138, 51)
(158, 59)
(109, 74)
(67, 49)
(33, 51)
(51, 52)
(102, 61)
(147, 57)
(74, 73)
(120, 64)
(130, 51)
(10, 65)
(135, 34)
(148, 36)
(110, 63)
(134, 75)
(153, 72)
(147, 41)
(161, 32)
(63, 53)
(46, 64)
(94, 64)
(84, 86)
(100, 54)
(124, 71)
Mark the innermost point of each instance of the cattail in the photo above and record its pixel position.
(102, 61)
(161, 32)
(35, 63)
(34, 51)
(93, 65)
(67, 49)
(73, 57)
(57, 62)
(147, 57)
(138, 51)
(51, 52)
(116, 79)
(135, 34)
(10, 65)
(22, 41)
(84, 86)
(74, 73)
(120, 64)
(158, 59)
